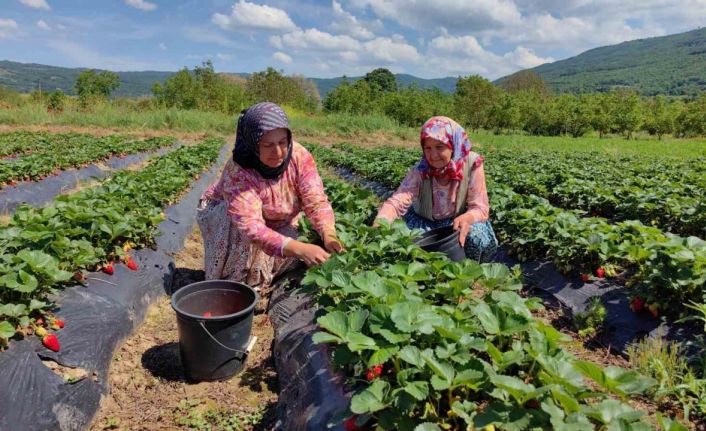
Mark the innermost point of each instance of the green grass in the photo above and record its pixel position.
(609, 146)
(109, 116)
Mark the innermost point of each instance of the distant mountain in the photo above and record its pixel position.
(674, 65)
(26, 77)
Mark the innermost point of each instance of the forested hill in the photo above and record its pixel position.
(674, 65)
(25, 77)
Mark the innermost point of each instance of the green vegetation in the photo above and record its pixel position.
(91, 85)
(670, 65)
(44, 249)
(46, 153)
(429, 344)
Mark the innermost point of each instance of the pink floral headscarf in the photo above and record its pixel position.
(454, 136)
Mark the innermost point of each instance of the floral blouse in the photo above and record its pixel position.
(260, 207)
(443, 199)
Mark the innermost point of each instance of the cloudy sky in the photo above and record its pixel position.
(325, 38)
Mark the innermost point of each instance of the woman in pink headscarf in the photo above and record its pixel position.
(447, 187)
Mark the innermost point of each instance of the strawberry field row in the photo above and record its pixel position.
(430, 344)
(662, 193)
(667, 194)
(43, 249)
(51, 153)
(665, 271)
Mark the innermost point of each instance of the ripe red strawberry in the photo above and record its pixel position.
(131, 264)
(78, 276)
(532, 404)
(59, 323)
(585, 277)
(350, 425)
(108, 269)
(637, 304)
(370, 375)
(378, 370)
(600, 272)
(51, 342)
(207, 314)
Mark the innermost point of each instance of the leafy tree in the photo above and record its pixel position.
(91, 84)
(381, 79)
(474, 99)
(626, 111)
(659, 117)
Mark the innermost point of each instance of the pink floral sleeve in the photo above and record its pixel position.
(477, 199)
(397, 205)
(315, 204)
(245, 209)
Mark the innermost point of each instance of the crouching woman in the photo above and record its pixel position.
(248, 218)
(446, 187)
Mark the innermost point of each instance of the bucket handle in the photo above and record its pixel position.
(243, 354)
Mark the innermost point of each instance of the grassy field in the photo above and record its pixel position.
(335, 127)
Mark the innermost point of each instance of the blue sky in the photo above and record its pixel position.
(425, 38)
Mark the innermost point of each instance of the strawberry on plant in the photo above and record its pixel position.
(108, 269)
(40, 321)
(51, 342)
(370, 375)
(585, 277)
(59, 323)
(40, 332)
(600, 272)
(350, 425)
(637, 304)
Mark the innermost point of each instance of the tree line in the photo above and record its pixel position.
(522, 103)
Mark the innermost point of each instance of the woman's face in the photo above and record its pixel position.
(273, 147)
(436, 152)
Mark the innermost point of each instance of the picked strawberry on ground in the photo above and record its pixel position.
(131, 264)
(350, 425)
(59, 323)
(637, 304)
(51, 342)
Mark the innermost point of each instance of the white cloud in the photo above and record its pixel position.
(223, 57)
(141, 4)
(162, 46)
(8, 28)
(464, 55)
(43, 25)
(315, 40)
(282, 57)
(392, 50)
(458, 16)
(246, 17)
(36, 4)
(345, 22)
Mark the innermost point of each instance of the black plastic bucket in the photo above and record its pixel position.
(442, 239)
(214, 347)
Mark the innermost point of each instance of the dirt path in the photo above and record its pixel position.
(148, 390)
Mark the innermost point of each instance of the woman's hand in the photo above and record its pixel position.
(332, 244)
(311, 254)
(463, 224)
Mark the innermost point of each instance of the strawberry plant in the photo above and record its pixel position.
(456, 344)
(44, 249)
